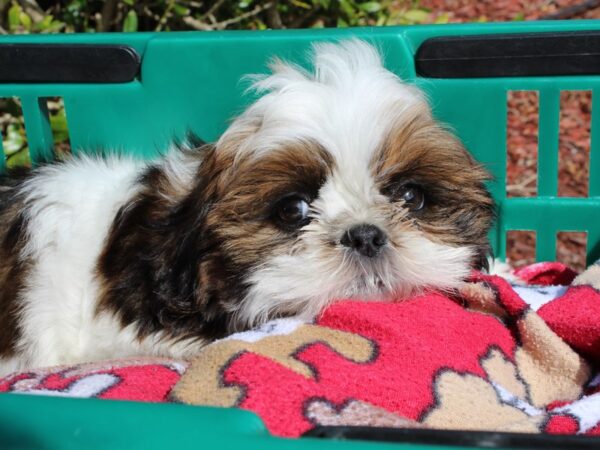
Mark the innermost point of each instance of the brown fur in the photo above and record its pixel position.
(177, 263)
(458, 210)
(177, 257)
(243, 215)
(13, 270)
(177, 260)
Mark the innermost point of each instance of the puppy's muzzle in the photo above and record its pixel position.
(366, 239)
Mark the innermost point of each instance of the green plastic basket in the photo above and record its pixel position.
(191, 81)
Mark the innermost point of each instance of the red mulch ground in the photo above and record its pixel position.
(523, 121)
(503, 10)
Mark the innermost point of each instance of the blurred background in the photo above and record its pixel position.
(78, 16)
(30, 16)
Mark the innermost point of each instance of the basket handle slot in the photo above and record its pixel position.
(68, 63)
(510, 55)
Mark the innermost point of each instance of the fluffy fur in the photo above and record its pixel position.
(105, 258)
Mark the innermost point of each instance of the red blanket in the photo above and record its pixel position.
(494, 356)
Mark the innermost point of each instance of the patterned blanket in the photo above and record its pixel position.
(498, 355)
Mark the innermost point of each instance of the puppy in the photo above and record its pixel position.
(336, 183)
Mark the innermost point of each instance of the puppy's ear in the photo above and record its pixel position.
(151, 268)
(208, 180)
(234, 143)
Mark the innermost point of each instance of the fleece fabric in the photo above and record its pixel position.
(494, 355)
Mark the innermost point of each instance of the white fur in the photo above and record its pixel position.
(180, 168)
(70, 208)
(310, 280)
(348, 105)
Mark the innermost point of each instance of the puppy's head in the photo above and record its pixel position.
(340, 184)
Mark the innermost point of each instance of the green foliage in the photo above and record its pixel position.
(29, 16)
(131, 21)
(13, 131)
(19, 159)
(19, 21)
(15, 139)
(58, 123)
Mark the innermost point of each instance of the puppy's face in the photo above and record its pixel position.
(342, 185)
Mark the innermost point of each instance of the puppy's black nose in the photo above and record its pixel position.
(366, 239)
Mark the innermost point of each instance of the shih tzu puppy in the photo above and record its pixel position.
(336, 183)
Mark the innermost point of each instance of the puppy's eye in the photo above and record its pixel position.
(292, 211)
(413, 196)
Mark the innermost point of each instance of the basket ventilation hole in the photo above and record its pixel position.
(522, 143)
(14, 139)
(56, 115)
(571, 249)
(574, 143)
(520, 247)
